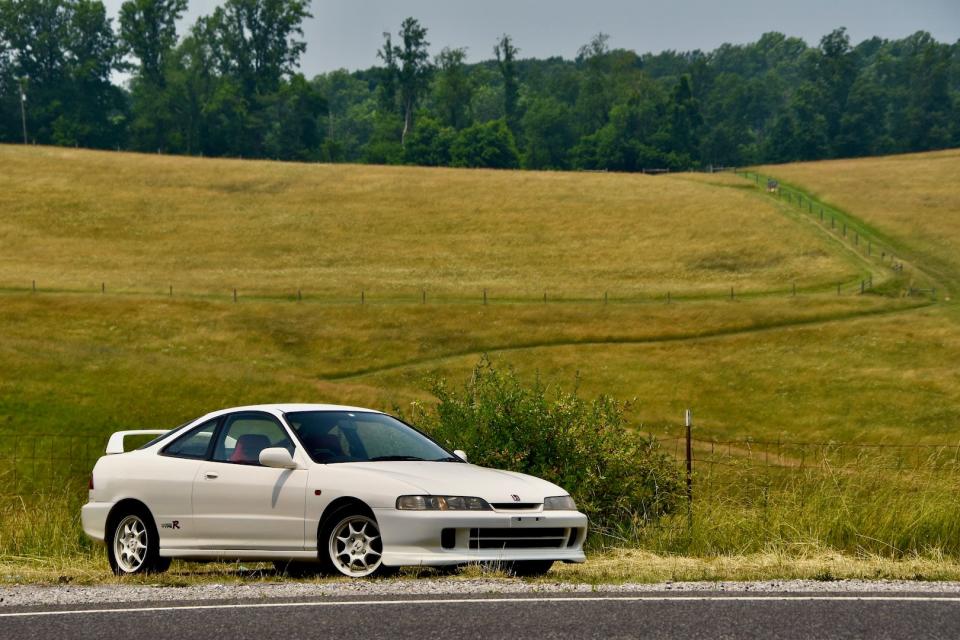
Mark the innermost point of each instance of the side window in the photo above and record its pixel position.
(244, 436)
(194, 443)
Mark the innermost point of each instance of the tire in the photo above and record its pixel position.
(529, 568)
(349, 544)
(134, 544)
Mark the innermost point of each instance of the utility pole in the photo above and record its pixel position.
(23, 110)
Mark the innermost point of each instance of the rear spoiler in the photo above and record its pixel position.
(115, 444)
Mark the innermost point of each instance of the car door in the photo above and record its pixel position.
(240, 504)
(167, 484)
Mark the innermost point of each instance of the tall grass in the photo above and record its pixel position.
(861, 512)
(43, 526)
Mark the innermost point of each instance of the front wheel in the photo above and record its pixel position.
(354, 546)
(134, 545)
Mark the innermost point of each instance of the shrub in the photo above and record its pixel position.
(620, 479)
(485, 145)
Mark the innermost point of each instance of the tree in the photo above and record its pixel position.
(832, 70)
(410, 66)
(685, 119)
(148, 31)
(387, 89)
(506, 54)
(453, 89)
(256, 41)
(489, 145)
(549, 134)
(63, 53)
(429, 144)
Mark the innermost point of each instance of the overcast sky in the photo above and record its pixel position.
(347, 33)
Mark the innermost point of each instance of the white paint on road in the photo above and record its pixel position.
(544, 599)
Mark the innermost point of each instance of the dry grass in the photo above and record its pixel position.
(609, 566)
(911, 199)
(74, 219)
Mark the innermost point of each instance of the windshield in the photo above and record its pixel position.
(357, 436)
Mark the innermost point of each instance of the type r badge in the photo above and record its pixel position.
(170, 525)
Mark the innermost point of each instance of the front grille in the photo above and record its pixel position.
(507, 538)
(514, 505)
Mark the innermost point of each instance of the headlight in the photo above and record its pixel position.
(559, 503)
(441, 503)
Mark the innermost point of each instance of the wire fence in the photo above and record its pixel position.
(839, 223)
(800, 456)
(42, 462)
(715, 291)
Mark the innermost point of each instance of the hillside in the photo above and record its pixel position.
(76, 219)
(767, 362)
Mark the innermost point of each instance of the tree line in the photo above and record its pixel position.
(229, 86)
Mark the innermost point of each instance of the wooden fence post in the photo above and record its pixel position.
(234, 295)
(484, 296)
(688, 420)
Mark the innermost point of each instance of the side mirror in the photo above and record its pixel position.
(460, 453)
(278, 458)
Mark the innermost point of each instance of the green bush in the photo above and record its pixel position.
(618, 478)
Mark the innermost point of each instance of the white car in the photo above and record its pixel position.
(352, 489)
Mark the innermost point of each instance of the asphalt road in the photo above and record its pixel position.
(651, 615)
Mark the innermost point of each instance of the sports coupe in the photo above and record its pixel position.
(341, 489)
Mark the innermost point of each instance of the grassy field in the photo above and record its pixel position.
(765, 364)
(912, 200)
(76, 219)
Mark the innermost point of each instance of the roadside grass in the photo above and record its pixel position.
(42, 544)
(74, 219)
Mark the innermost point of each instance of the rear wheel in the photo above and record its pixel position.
(134, 545)
(353, 544)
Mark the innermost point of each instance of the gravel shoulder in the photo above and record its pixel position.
(31, 595)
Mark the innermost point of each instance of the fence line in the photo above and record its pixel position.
(483, 296)
(838, 221)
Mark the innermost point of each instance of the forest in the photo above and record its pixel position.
(230, 86)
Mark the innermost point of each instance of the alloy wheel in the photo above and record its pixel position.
(356, 548)
(130, 544)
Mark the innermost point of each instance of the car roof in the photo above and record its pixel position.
(290, 407)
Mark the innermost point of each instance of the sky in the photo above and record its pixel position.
(347, 33)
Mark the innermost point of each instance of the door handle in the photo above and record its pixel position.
(211, 475)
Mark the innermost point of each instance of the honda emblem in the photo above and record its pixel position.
(515, 497)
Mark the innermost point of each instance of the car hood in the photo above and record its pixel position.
(461, 479)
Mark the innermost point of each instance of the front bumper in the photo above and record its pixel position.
(417, 538)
